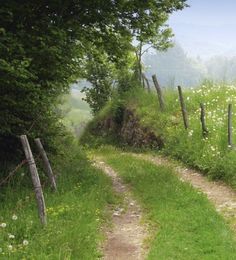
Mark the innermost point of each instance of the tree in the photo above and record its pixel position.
(100, 72)
(42, 46)
(157, 34)
(144, 22)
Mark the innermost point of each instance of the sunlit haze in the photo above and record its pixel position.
(206, 28)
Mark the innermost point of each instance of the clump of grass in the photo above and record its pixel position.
(75, 213)
(187, 225)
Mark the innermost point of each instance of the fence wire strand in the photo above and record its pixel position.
(13, 172)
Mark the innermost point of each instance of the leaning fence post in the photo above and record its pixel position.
(230, 138)
(183, 108)
(203, 120)
(46, 163)
(35, 179)
(159, 92)
(147, 82)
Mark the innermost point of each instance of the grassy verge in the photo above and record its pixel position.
(210, 155)
(188, 227)
(75, 214)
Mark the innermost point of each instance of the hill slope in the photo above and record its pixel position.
(135, 119)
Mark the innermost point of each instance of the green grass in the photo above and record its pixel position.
(75, 213)
(186, 224)
(210, 155)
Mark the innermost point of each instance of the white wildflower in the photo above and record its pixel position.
(10, 247)
(3, 225)
(25, 242)
(14, 217)
(190, 133)
(11, 236)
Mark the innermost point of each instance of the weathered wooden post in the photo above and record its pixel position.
(230, 136)
(46, 163)
(203, 120)
(35, 179)
(159, 92)
(147, 83)
(183, 108)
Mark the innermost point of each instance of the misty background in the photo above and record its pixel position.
(205, 46)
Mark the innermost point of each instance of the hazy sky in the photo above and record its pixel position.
(206, 28)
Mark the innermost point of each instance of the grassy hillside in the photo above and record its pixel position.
(75, 213)
(211, 154)
(77, 112)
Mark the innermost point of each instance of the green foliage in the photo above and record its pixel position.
(44, 46)
(34, 72)
(184, 225)
(75, 213)
(146, 23)
(100, 73)
(127, 77)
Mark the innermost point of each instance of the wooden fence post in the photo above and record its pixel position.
(46, 163)
(35, 179)
(159, 92)
(147, 83)
(183, 108)
(203, 120)
(230, 136)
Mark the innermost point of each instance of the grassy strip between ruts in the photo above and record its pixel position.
(188, 227)
(75, 215)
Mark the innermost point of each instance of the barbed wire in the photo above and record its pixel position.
(13, 172)
(23, 162)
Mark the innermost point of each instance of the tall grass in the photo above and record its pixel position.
(211, 154)
(75, 213)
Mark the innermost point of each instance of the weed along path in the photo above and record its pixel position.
(222, 196)
(126, 236)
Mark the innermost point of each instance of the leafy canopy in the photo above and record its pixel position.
(44, 46)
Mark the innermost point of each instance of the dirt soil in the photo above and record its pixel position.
(125, 239)
(223, 197)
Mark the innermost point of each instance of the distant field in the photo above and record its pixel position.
(77, 112)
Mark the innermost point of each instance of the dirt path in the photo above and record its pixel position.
(222, 196)
(125, 238)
